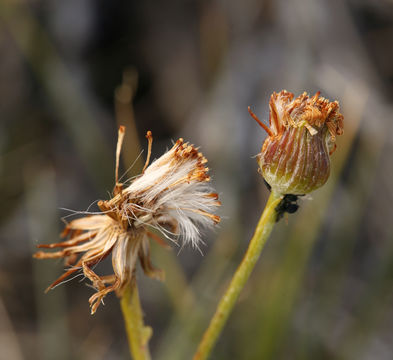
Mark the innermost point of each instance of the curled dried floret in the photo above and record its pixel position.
(172, 196)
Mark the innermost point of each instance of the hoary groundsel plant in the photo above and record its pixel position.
(294, 160)
(172, 196)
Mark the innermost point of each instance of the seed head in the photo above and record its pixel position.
(295, 157)
(172, 195)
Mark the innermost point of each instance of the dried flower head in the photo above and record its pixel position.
(172, 195)
(295, 157)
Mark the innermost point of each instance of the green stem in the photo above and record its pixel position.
(138, 334)
(227, 302)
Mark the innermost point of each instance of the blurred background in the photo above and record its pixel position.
(72, 71)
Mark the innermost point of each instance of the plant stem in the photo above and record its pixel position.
(227, 302)
(138, 334)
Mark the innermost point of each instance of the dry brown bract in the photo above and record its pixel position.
(314, 113)
(172, 195)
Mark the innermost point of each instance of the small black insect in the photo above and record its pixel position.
(287, 205)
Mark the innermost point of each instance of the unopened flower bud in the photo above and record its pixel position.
(295, 157)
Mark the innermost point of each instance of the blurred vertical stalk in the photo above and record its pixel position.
(9, 344)
(51, 309)
(124, 95)
(138, 334)
(340, 256)
(73, 105)
(227, 302)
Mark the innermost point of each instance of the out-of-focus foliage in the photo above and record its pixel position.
(69, 72)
